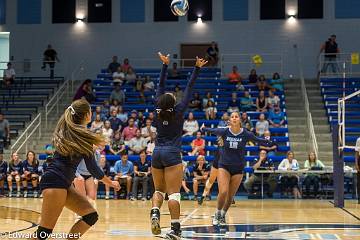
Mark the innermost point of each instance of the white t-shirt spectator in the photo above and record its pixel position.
(107, 133)
(275, 100)
(210, 109)
(149, 86)
(357, 146)
(285, 165)
(262, 126)
(9, 73)
(190, 127)
(145, 132)
(150, 148)
(137, 144)
(118, 77)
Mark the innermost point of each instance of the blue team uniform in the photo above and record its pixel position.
(16, 167)
(232, 154)
(30, 168)
(82, 170)
(3, 170)
(168, 140)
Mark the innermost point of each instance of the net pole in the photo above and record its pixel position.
(338, 166)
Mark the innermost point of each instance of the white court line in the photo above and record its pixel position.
(189, 216)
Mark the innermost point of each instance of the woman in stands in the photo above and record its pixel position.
(166, 159)
(73, 142)
(231, 163)
(3, 172)
(30, 173)
(289, 181)
(15, 171)
(105, 166)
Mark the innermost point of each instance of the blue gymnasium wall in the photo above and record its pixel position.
(132, 11)
(347, 9)
(2, 11)
(235, 10)
(96, 43)
(29, 11)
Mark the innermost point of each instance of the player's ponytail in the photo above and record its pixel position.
(166, 107)
(71, 137)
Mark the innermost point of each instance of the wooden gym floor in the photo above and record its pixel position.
(247, 219)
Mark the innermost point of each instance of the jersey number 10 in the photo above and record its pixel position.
(234, 145)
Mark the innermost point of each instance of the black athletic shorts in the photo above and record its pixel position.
(165, 156)
(233, 169)
(51, 180)
(2, 177)
(86, 177)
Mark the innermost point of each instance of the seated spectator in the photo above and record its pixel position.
(234, 76)
(195, 102)
(105, 166)
(107, 132)
(130, 76)
(272, 100)
(123, 116)
(137, 144)
(271, 179)
(198, 145)
(151, 144)
(117, 145)
(3, 173)
(191, 126)
(270, 147)
(148, 129)
(224, 120)
(245, 120)
(178, 94)
(148, 84)
(262, 125)
(118, 77)
(9, 75)
(113, 66)
(289, 181)
(97, 124)
(115, 123)
(124, 169)
(141, 174)
(100, 112)
(262, 83)
(246, 102)
(14, 173)
(129, 132)
(151, 116)
(4, 132)
(276, 117)
(134, 115)
(234, 103)
(141, 120)
(206, 99)
(85, 91)
(174, 73)
(117, 94)
(210, 111)
(115, 105)
(201, 174)
(261, 102)
(253, 77)
(126, 66)
(186, 175)
(277, 83)
(212, 54)
(106, 108)
(311, 179)
(30, 173)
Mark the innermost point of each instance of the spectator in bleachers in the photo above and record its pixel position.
(290, 181)
(113, 66)
(126, 66)
(107, 132)
(97, 124)
(141, 174)
(141, 120)
(117, 144)
(263, 163)
(117, 94)
(137, 144)
(262, 83)
(195, 102)
(253, 77)
(174, 73)
(124, 170)
(85, 91)
(224, 120)
(49, 151)
(212, 54)
(148, 85)
(272, 100)
(245, 120)
(151, 116)
(270, 147)
(197, 145)
(130, 76)
(261, 102)
(50, 58)
(123, 116)
(234, 103)
(178, 94)
(277, 83)
(14, 173)
(246, 102)
(234, 76)
(106, 108)
(262, 125)
(191, 125)
(115, 105)
(98, 111)
(201, 174)
(148, 129)
(118, 77)
(3, 173)
(208, 97)
(186, 175)
(105, 166)
(115, 122)
(30, 173)
(129, 132)
(134, 115)
(4, 131)
(311, 179)
(210, 111)
(151, 144)
(331, 49)
(276, 117)
(9, 75)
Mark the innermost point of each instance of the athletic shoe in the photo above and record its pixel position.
(216, 219)
(201, 200)
(173, 235)
(222, 221)
(155, 221)
(233, 201)
(107, 197)
(143, 199)
(10, 194)
(25, 194)
(18, 194)
(132, 199)
(36, 194)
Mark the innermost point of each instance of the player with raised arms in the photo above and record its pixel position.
(166, 159)
(73, 142)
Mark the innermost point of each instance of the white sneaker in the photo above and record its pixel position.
(107, 197)
(10, 194)
(216, 219)
(36, 194)
(18, 194)
(25, 194)
(222, 221)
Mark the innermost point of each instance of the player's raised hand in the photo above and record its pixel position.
(200, 62)
(164, 59)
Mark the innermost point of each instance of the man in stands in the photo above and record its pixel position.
(331, 49)
(174, 73)
(270, 147)
(50, 57)
(116, 123)
(357, 166)
(234, 76)
(148, 129)
(118, 77)
(117, 94)
(98, 111)
(113, 66)
(198, 145)
(137, 144)
(234, 103)
(141, 175)
(129, 132)
(276, 117)
(4, 132)
(124, 169)
(9, 75)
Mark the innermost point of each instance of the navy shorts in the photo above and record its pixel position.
(86, 177)
(166, 156)
(51, 180)
(233, 169)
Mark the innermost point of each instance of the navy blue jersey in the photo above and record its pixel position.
(106, 169)
(16, 167)
(30, 168)
(3, 167)
(170, 133)
(233, 152)
(65, 167)
(143, 167)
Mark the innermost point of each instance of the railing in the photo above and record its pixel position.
(311, 136)
(28, 132)
(337, 66)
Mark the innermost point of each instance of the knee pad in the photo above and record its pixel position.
(43, 233)
(91, 218)
(175, 197)
(161, 193)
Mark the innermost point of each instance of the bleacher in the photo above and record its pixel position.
(332, 89)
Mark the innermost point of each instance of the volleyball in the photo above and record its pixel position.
(179, 7)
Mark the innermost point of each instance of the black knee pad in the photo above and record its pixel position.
(43, 233)
(91, 218)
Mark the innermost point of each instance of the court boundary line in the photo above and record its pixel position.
(347, 211)
(23, 229)
(189, 216)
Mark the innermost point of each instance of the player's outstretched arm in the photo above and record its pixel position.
(161, 86)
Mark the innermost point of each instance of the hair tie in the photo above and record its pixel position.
(158, 110)
(72, 110)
